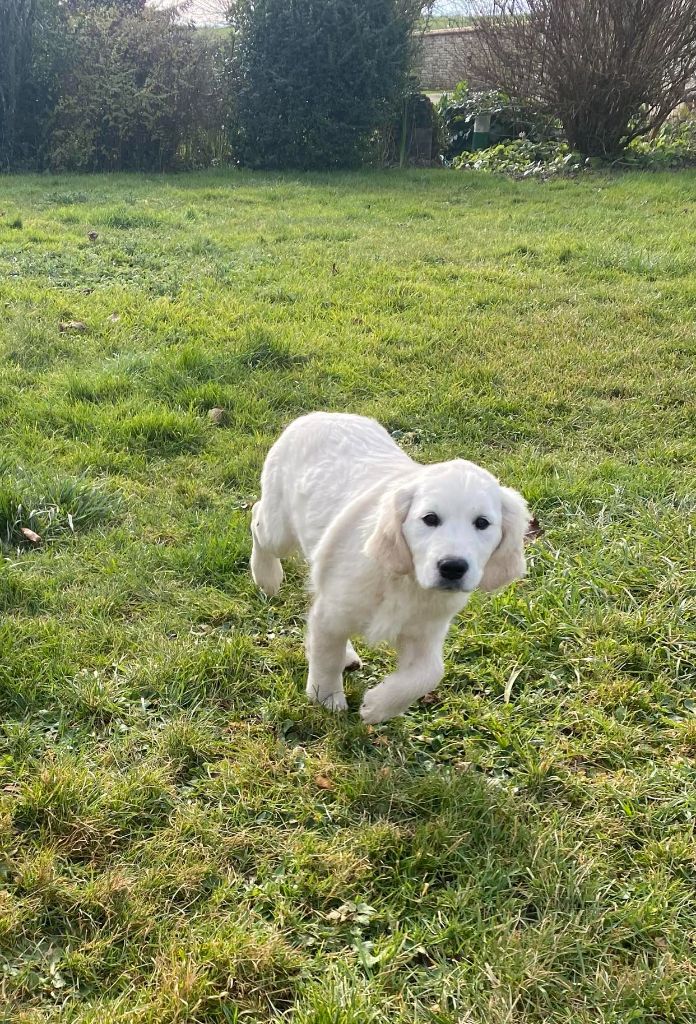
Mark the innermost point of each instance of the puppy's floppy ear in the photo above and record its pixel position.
(386, 543)
(507, 561)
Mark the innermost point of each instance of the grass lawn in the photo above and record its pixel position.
(182, 837)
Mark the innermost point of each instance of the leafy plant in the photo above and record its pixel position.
(674, 146)
(523, 158)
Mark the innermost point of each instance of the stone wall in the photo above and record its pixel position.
(444, 58)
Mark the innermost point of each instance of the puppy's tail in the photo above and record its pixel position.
(266, 569)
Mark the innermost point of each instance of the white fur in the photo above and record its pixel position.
(337, 488)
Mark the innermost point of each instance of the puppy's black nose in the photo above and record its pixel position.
(452, 568)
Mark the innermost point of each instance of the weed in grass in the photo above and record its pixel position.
(51, 507)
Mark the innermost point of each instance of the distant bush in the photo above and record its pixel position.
(141, 93)
(315, 78)
(33, 47)
(91, 85)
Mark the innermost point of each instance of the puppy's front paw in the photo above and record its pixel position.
(335, 701)
(379, 706)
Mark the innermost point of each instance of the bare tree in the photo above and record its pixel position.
(211, 12)
(610, 70)
(201, 12)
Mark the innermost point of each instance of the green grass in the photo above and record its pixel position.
(183, 838)
(438, 21)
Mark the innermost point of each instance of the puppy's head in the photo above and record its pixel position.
(453, 527)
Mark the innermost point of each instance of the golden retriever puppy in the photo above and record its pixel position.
(395, 549)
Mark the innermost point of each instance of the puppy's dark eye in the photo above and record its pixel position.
(431, 519)
(481, 523)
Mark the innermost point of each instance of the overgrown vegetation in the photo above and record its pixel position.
(672, 148)
(524, 140)
(91, 85)
(182, 837)
(508, 119)
(108, 87)
(141, 93)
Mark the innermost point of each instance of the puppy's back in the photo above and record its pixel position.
(323, 461)
(339, 442)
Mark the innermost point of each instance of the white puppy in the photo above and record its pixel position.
(395, 549)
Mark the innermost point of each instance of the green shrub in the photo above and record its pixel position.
(141, 93)
(16, 33)
(315, 78)
(34, 49)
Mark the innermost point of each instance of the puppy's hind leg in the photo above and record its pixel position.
(266, 569)
(352, 661)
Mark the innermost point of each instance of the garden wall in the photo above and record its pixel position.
(445, 56)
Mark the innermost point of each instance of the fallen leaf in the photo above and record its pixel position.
(32, 537)
(72, 325)
(322, 782)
